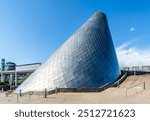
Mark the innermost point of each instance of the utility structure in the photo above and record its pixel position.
(12, 72)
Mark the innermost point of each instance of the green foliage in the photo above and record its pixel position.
(4, 83)
(26, 76)
(20, 82)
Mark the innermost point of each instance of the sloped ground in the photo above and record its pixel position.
(113, 95)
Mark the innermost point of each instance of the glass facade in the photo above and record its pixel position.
(10, 66)
(86, 60)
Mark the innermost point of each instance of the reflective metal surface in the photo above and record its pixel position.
(86, 60)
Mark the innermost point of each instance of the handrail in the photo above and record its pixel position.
(98, 89)
(103, 85)
(135, 86)
(120, 80)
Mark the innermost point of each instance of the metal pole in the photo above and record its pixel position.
(144, 86)
(10, 81)
(2, 77)
(56, 90)
(6, 94)
(15, 79)
(45, 93)
(20, 93)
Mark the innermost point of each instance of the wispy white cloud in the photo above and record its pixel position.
(132, 29)
(130, 55)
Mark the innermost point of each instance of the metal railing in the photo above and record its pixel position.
(119, 81)
(129, 88)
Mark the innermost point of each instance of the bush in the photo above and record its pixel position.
(2, 83)
(5, 87)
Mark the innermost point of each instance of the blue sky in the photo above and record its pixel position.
(31, 30)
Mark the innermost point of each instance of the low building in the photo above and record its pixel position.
(17, 73)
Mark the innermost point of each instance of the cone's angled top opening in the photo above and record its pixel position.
(99, 14)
